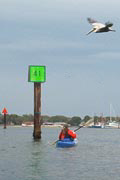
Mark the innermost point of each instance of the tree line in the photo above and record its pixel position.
(14, 119)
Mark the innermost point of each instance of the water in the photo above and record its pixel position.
(97, 155)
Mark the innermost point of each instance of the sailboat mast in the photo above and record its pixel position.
(110, 112)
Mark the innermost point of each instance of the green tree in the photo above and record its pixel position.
(75, 121)
(14, 118)
(96, 120)
(86, 118)
(58, 119)
(45, 118)
(27, 117)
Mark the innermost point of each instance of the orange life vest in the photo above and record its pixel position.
(70, 134)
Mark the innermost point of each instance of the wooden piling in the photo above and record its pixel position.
(5, 121)
(37, 111)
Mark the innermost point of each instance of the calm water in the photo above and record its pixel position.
(97, 155)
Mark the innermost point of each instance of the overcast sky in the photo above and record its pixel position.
(83, 72)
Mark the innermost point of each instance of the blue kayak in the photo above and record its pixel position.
(67, 142)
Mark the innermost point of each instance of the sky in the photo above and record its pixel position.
(82, 72)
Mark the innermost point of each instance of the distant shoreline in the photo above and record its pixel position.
(45, 126)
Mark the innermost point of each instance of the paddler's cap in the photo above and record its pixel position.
(65, 125)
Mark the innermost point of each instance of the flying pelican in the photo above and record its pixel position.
(99, 27)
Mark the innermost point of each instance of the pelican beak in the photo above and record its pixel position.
(91, 31)
(112, 30)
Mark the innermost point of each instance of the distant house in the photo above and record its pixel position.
(48, 123)
(56, 124)
(27, 124)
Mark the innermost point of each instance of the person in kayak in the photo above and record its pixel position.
(67, 133)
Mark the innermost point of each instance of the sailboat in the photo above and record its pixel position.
(113, 123)
(97, 124)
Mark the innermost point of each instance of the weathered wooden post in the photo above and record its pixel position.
(5, 111)
(37, 74)
(37, 111)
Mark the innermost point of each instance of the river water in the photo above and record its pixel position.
(97, 155)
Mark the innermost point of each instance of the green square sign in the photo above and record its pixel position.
(37, 74)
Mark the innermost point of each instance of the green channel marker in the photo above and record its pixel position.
(37, 74)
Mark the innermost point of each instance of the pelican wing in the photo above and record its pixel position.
(109, 24)
(91, 21)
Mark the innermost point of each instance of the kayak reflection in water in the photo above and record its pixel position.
(67, 133)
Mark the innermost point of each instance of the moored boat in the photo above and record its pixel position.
(67, 142)
(96, 126)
